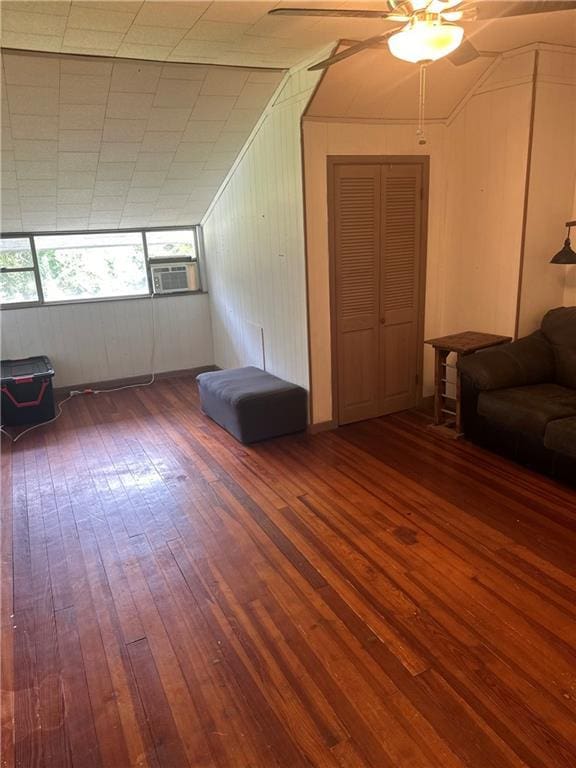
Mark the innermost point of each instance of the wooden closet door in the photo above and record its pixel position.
(357, 211)
(401, 260)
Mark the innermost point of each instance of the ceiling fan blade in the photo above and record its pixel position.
(497, 9)
(352, 51)
(344, 13)
(465, 53)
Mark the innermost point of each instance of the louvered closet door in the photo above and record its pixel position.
(357, 210)
(401, 217)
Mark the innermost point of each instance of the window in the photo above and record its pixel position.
(84, 266)
(17, 273)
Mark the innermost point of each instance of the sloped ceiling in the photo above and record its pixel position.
(101, 143)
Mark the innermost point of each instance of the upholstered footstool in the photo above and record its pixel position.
(251, 404)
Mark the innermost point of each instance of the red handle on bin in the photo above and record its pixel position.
(30, 403)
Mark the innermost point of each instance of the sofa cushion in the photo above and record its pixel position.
(559, 328)
(528, 409)
(560, 436)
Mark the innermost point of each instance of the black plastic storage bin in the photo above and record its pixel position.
(27, 394)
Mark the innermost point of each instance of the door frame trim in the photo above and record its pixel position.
(332, 162)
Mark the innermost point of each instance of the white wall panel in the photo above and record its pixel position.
(112, 340)
(254, 237)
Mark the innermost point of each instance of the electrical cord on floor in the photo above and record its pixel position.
(76, 392)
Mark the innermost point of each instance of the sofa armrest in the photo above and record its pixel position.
(527, 361)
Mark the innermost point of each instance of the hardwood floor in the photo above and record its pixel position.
(373, 597)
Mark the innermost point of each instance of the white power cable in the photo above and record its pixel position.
(76, 392)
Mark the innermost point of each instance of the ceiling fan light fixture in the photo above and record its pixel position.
(425, 40)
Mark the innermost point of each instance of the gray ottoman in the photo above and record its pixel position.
(251, 404)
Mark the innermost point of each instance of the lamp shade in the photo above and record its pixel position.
(425, 40)
(564, 256)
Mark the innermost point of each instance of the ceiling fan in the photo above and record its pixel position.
(428, 32)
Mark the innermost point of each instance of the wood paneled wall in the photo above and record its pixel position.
(254, 238)
(112, 340)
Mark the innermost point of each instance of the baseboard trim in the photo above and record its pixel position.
(131, 380)
(322, 426)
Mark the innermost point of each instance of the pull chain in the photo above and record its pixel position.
(421, 105)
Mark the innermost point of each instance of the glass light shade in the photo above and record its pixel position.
(425, 40)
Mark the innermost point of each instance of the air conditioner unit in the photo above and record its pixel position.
(175, 278)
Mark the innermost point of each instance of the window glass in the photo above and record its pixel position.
(174, 244)
(15, 253)
(17, 287)
(91, 266)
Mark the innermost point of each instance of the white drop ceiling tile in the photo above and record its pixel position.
(31, 100)
(135, 77)
(134, 106)
(90, 51)
(33, 127)
(154, 161)
(201, 195)
(72, 211)
(216, 31)
(210, 178)
(33, 169)
(8, 161)
(30, 149)
(105, 220)
(35, 188)
(165, 119)
(114, 188)
(10, 211)
(76, 179)
(138, 209)
(82, 17)
(9, 180)
(11, 225)
(199, 51)
(220, 161)
(41, 204)
(143, 195)
(163, 36)
(32, 23)
(123, 130)
(10, 197)
(163, 218)
(176, 187)
(41, 71)
(176, 93)
(128, 222)
(230, 140)
(77, 65)
(203, 130)
(182, 171)
(193, 151)
(71, 225)
(150, 52)
(56, 7)
(77, 161)
(91, 41)
(108, 203)
(24, 41)
(82, 116)
(239, 11)
(184, 72)
(171, 201)
(129, 6)
(75, 196)
(79, 141)
(83, 89)
(255, 96)
(213, 107)
(163, 13)
(39, 221)
(223, 81)
(160, 141)
(271, 78)
(115, 171)
(242, 119)
(118, 151)
(148, 178)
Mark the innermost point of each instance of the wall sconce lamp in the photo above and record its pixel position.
(566, 255)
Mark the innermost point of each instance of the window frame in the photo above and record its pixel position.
(42, 302)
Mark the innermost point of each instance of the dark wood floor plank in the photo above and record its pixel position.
(370, 597)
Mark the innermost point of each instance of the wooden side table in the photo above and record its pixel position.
(461, 344)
